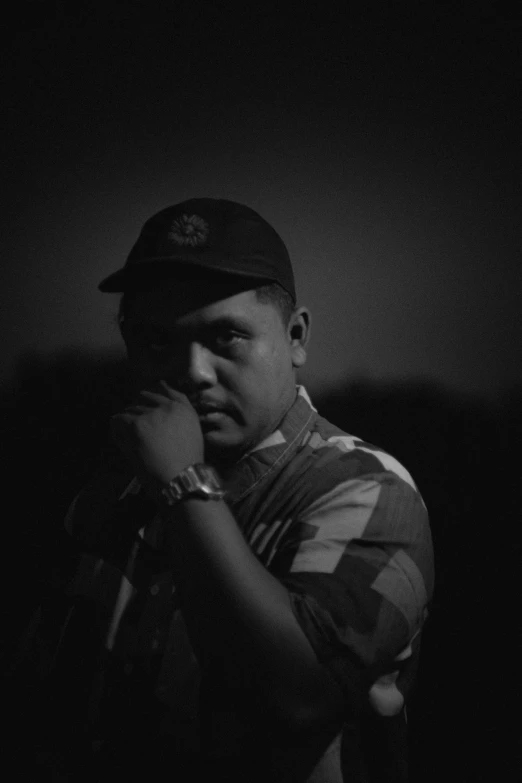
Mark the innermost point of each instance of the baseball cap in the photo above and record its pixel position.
(217, 235)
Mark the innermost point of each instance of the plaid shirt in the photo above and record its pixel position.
(338, 521)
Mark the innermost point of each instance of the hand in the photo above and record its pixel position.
(160, 435)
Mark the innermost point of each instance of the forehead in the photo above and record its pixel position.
(168, 305)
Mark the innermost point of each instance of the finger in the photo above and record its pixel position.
(134, 410)
(174, 394)
(156, 397)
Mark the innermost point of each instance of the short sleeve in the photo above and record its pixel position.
(358, 567)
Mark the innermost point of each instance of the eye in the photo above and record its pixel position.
(228, 338)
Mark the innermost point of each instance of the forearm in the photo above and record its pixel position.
(239, 613)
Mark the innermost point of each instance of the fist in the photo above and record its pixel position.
(160, 435)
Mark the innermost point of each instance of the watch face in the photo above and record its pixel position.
(195, 481)
(208, 475)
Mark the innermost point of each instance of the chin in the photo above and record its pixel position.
(220, 447)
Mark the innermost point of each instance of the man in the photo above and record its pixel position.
(253, 581)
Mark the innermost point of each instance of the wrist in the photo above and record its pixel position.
(196, 482)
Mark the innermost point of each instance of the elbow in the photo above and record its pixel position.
(303, 721)
(309, 717)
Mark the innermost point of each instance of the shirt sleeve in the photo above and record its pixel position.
(358, 567)
(106, 515)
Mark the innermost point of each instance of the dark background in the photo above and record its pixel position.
(383, 144)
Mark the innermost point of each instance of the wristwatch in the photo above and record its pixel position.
(196, 481)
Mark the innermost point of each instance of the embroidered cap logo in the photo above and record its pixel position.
(189, 230)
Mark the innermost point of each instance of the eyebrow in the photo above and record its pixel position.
(229, 322)
(222, 322)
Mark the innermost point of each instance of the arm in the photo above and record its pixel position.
(236, 610)
(344, 599)
(238, 615)
(359, 568)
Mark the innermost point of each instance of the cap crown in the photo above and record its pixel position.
(216, 234)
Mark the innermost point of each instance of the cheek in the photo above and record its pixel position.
(261, 376)
(274, 361)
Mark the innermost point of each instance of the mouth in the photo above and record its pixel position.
(212, 414)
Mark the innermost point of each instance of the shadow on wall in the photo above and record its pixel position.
(56, 421)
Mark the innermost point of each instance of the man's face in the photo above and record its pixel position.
(234, 359)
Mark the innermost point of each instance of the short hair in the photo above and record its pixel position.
(272, 293)
(276, 295)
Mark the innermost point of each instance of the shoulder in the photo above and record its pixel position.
(338, 486)
(329, 459)
(357, 506)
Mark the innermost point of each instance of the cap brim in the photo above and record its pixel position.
(149, 273)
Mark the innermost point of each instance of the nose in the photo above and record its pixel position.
(199, 370)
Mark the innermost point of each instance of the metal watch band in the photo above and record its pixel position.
(197, 480)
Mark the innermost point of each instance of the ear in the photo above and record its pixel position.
(299, 335)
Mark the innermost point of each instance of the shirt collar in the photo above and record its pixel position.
(273, 451)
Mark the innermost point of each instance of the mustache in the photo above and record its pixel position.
(202, 403)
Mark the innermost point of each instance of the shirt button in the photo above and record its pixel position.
(154, 589)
